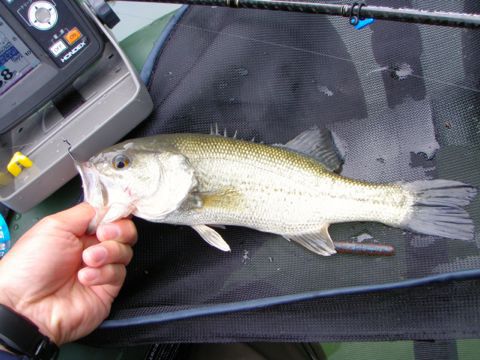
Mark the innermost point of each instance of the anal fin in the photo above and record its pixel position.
(212, 237)
(318, 242)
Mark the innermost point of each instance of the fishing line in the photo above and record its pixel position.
(174, 21)
(356, 61)
(69, 150)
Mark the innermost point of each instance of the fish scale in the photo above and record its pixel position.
(303, 185)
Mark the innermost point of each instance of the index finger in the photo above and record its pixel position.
(123, 231)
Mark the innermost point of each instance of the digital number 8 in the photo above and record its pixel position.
(6, 74)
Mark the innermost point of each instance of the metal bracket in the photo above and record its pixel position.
(104, 12)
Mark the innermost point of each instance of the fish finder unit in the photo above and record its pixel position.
(63, 79)
(44, 46)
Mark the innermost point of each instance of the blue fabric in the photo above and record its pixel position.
(157, 47)
(287, 299)
(4, 355)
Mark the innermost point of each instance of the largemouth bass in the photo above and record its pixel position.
(291, 190)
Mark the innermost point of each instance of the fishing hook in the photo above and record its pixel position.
(69, 150)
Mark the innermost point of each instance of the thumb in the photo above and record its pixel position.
(75, 219)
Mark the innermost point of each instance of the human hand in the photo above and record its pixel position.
(63, 279)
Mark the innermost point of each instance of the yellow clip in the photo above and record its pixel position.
(18, 159)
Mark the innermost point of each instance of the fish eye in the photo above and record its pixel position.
(120, 162)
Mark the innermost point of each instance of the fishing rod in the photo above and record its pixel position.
(356, 11)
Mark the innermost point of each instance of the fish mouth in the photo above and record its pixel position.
(96, 194)
(94, 190)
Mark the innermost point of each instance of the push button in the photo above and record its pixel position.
(42, 15)
(72, 36)
(57, 48)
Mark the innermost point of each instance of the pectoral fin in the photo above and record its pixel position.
(319, 241)
(222, 198)
(211, 237)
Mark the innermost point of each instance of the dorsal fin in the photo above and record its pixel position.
(314, 142)
(215, 131)
(319, 144)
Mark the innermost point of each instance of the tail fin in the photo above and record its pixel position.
(437, 208)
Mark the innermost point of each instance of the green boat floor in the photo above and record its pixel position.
(62, 199)
(394, 350)
(138, 45)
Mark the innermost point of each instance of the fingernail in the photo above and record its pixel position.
(96, 254)
(108, 232)
(89, 275)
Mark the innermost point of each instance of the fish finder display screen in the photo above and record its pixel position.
(16, 59)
